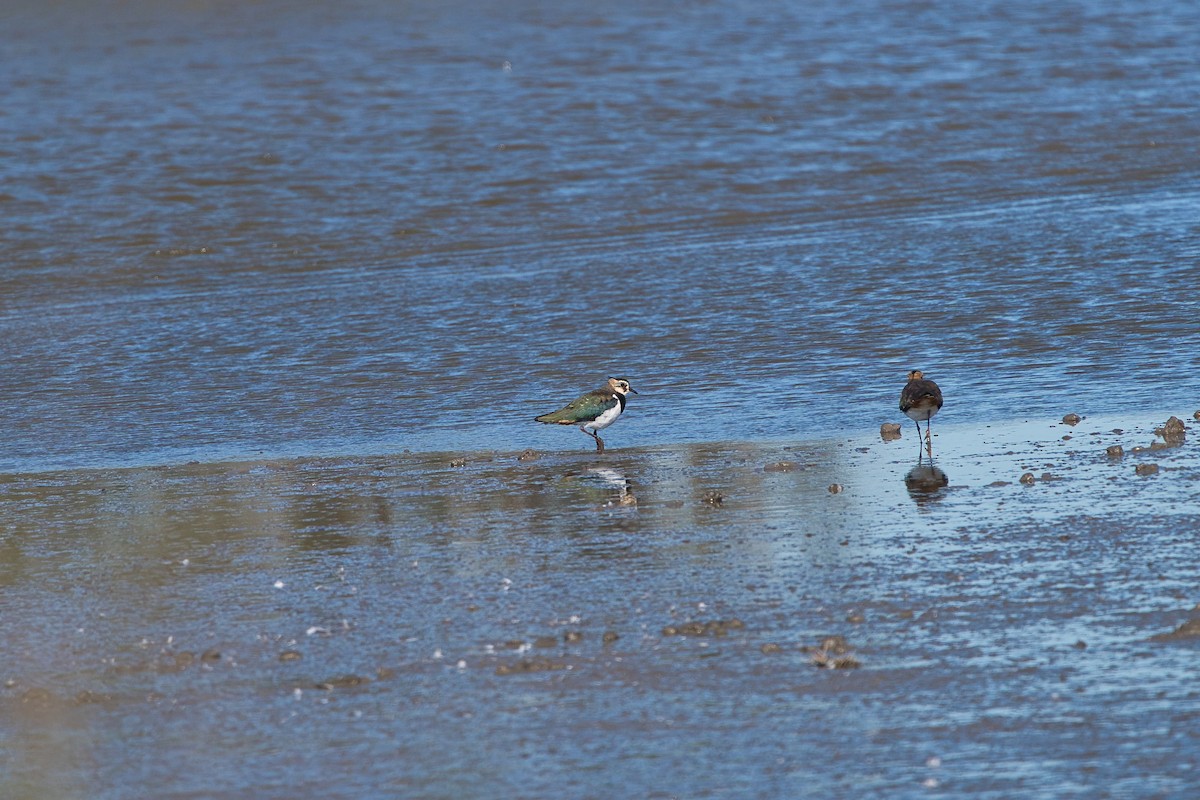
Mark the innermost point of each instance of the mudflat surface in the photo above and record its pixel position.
(720, 620)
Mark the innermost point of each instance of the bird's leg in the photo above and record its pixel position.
(599, 441)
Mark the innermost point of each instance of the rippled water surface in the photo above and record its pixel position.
(269, 268)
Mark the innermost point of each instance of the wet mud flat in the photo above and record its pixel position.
(782, 619)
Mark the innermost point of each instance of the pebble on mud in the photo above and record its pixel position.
(610, 636)
(780, 466)
(545, 642)
(1115, 451)
(528, 455)
(1028, 479)
(836, 488)
(1146, 469)
(1072, 419)
(290, 655)
(889, 431)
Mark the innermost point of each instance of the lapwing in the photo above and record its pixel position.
(594, 411)
(920, 400)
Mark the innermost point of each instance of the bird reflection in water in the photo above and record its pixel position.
(618, 487)
(925, 482)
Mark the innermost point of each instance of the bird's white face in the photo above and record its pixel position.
(620, 385)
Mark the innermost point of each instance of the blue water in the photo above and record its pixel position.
(270, 268)
(296, 229)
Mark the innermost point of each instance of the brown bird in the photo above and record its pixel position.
(920, 400)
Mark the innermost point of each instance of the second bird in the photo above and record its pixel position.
(594, 411)
(920, 400)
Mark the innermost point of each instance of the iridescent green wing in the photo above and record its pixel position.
(584, 409)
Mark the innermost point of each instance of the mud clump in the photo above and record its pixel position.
(1072, 419)
(781, 466)
(529, 665)
(889, 431)
(1115, 451)
(1173, 433)
(1188, 630)
(610, 636)
(717, 627)
(1146, 469)
(290, 655)
(833, 653)
(342, 682)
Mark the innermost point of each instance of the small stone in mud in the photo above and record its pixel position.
(514, 644)
(856, 618)
(1072, 419)
(713, 497)
(290, 655)
(1115, 451)
(528, 455)
(570, 637)
(770, 648)
(209, 656)
(780, 466)
(1080, 645)
(1146, 469)
(610, 636)
(1046, 476)
(995, 484)
(458, 462)
(889, 431)
(836, 488)
(545, 641)
(1028, 479)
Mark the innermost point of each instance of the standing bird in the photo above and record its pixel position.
(920, 400)
(595, 410)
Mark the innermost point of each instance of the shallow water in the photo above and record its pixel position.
(400, 626)
(270, 268)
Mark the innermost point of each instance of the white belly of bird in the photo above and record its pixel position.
(921, 413)
(604, 420)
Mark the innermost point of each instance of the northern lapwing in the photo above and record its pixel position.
(920, 400)
(594, 411)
